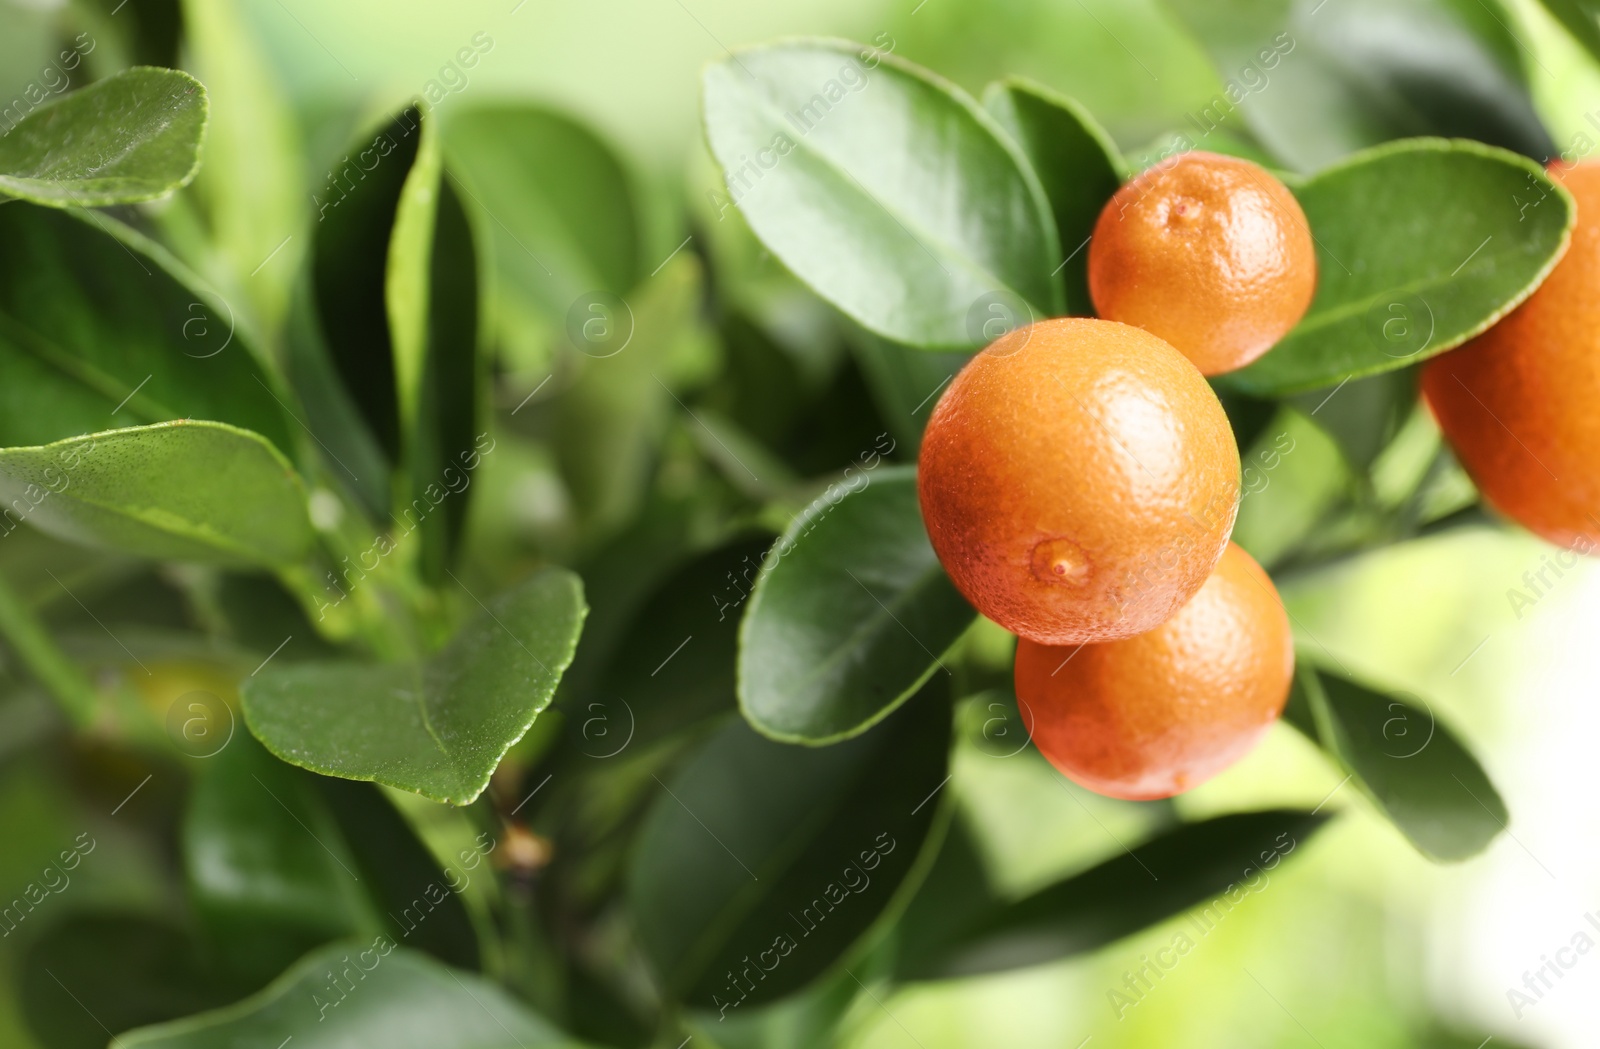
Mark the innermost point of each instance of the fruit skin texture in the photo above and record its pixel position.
(1520, 404)
(1078, 480)
(1154, 715)
(1211, 253)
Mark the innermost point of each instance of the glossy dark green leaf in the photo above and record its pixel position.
(450, 393)
(280, 861)
(363, 993)
(350, 264)
(100, 327)
(1076, 161)
(1421, 245)
(813, 1017)
(956, 894)
(436, 726)
(420, 901)
(560, 228)
(1418, 773)
(133, 136)
(905, 382)
(674, 666)
(347, 446)
(99, 971)
(181, 491)
(888, 191)
(1228, 858)
(1316, 81)
(849, 615)
(609, 423)
(396, 288)
(761, 864)
(269, 874)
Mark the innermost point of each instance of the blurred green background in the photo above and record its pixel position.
(1362, 942)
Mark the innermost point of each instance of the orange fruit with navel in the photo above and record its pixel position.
(1078, 480)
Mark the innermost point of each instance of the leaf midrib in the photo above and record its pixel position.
(911, 226)
(871, 624)
(195, 532)
(741, 904)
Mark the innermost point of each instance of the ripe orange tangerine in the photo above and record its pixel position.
(1211, 253)
(1154, 715)
(1520, 404)
(1078, 480)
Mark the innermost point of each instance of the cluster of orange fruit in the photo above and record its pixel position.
(1079, 479)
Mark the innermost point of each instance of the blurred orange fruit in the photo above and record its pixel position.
(1211, 253)
(1154, 715)
(1521, 402)
(1078, 481)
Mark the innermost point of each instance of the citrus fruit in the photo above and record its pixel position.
(1518, 403)
(1211, 253)
(1078, 480)
(1151, 716)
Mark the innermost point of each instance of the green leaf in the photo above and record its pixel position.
(396, 285)
(269, 874)
(453, 380)
(1417, 772)
(253, 183)
(280, 861)
(134, 136)
(887, 190)
(849, 615)
(99, 326)
(1228, 858)
(956, 894)
(420, 902)
(180, 491)
(813, 1017)
(1579, 19)
(1292, 476)
(349, 269)
(1314, 83)
(1363, 415)
(556, 204)
(407, 271)
(1076, 161)
(1421, 245)
(435, 726)
(904, 381)
(99, 971)
(674, 666)
(376, 994)
(609, 423)
(777, 859)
